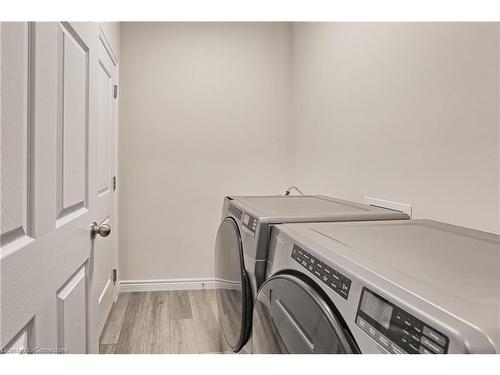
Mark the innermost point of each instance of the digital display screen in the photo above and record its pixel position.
(376, 309)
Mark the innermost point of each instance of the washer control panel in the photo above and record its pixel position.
(235, 211)
(396, 330)
(336, 281)
(249, 223)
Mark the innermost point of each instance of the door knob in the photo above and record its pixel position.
(99, 229)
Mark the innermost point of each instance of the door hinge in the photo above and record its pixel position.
(115, 275)
(115, 91)
(114, 183)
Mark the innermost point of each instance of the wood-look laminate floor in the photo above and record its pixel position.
(162, 322)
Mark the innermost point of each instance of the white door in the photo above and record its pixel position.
(104, 257)
(49, 186)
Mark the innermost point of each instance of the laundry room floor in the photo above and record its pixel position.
(162, 322)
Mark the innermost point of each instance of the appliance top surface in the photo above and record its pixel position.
(454, 268)
(314, 207)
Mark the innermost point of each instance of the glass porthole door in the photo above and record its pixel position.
(234, 296)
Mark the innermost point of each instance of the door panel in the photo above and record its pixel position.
(72, 137)
(14, 132)
(70, 314)
(72, 157)
(22, 342)
(49, 105)
(105, 77)
(102, 288)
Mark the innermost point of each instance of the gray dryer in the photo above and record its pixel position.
(242, 244)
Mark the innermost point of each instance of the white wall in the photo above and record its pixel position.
(405, 112)
(204, 111)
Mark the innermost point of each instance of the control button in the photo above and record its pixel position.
(325, 279)
(417, 329)
(304, 263)
(407, 323)
(405, 332)
(373, 332)
(437, 337)
(310, 268)
(317, 273)
(327, 270)
(369, 329)
(396, 350)
(313, 260)
(361, 322)
(424, 350)
(431, 346)
(383, 340)
(414, 337)
(413, 346)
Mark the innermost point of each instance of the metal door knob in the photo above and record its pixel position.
(102, 230)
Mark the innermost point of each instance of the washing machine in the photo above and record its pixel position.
(414, 286)
(242, 244)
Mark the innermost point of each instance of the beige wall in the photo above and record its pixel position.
(204, 112)
(404, 112)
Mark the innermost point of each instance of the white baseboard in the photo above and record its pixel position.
(163, 285)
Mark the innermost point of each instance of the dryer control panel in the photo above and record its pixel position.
(249, 223)
(235, 211)
(336, 281)
(395, 329)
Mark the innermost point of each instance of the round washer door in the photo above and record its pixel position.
(234, 295)
(291, 317)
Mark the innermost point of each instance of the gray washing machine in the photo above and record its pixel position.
(242, 244)
(415, 286)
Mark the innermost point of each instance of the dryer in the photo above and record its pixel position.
(415, 286)
(242, 244)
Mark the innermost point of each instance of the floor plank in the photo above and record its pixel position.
(111, 332)
(135, 325)
(107, 349)
(205, 320)
(158, 337)
(162, 322)
(213, 299)
(183, 339)
(181, 306)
